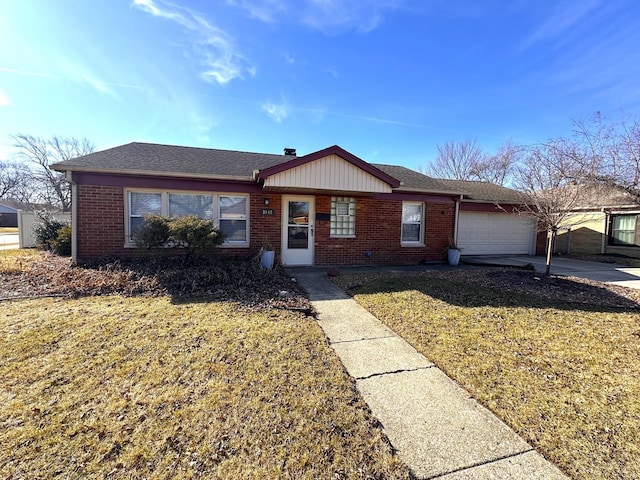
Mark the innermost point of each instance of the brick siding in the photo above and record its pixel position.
(101, 218)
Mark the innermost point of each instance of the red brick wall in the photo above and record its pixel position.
(101, 220)
(378, 229)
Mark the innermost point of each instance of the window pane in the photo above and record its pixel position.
(342, 209)
(411, 232)
(298, 237)
(235, 230)
(299, 213)
(135, 224)
(144, 203)
(182, 204)
(233, 207)
(626, 222)
(411, 212)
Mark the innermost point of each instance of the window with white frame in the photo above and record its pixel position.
(412, 223)
(343, 217)
(623, 230)
(228, 212)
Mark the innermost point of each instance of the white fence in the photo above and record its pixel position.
(26, 222)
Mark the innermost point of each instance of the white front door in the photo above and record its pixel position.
(298, 215)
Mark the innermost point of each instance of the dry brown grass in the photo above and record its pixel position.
(17, 260)
(115, 387)
(565, 376)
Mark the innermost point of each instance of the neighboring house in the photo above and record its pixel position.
(8, 215)
(325, 208)
(605, 222)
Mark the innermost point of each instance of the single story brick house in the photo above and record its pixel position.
(325, 208)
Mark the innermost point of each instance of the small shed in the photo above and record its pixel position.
(8, 216)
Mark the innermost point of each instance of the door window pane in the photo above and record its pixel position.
(298, 237)
(298, 213)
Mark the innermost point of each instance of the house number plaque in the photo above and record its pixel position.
(267, 211)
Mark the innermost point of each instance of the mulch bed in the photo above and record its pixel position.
(217, 279)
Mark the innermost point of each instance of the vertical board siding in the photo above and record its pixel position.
(329, 173)
(26, 222)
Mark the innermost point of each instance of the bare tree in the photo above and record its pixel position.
(608, 152)
(466, 161)
(40, 154)
(498, 168)
(546, 179)
(456, 160)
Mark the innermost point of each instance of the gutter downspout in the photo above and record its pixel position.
(456, 219)
(74, 217)
(603, 237)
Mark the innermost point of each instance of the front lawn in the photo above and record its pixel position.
(552, 358)
(168, 386)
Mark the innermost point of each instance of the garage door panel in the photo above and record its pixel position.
(495, 234)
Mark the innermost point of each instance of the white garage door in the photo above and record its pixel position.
(495, 234)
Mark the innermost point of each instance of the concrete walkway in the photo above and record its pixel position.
(601, 272)
(437, 429)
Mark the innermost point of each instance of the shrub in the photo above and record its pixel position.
(154, 233)
(189, 232)
(195, 233)
(46, 230)
(62, 243)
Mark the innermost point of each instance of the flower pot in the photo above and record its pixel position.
(267, 258)
(453, 255)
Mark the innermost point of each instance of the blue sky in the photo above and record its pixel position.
(387, 80)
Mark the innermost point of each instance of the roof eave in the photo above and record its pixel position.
(155, 173)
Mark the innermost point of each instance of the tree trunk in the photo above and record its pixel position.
(551, 236)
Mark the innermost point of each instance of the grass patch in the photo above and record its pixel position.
(17, 260)
(564, 375)
(117, 387)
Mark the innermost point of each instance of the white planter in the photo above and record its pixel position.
(267, 258)
(453, 255)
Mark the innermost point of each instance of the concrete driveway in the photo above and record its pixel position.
(601, 272)
(8, 240)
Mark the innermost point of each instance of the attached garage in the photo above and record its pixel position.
(496, 233)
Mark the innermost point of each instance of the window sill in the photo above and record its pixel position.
(224, 245)
(342, 236)
(412, 244)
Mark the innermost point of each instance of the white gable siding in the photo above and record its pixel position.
(328, 173)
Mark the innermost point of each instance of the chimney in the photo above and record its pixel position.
(290, 152)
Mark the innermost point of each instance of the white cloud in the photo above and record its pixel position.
(265, 10)
(221, 60)
(328, 16)
(4, 100)
(562, 20)
(277, 111)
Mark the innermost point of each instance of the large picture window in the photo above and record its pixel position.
(228, 212)
(343, 217)
(412, 223)
(623, 230)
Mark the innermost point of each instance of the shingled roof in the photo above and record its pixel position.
(171, 160)
(194, 162)
(484, 191)
(412, 180)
